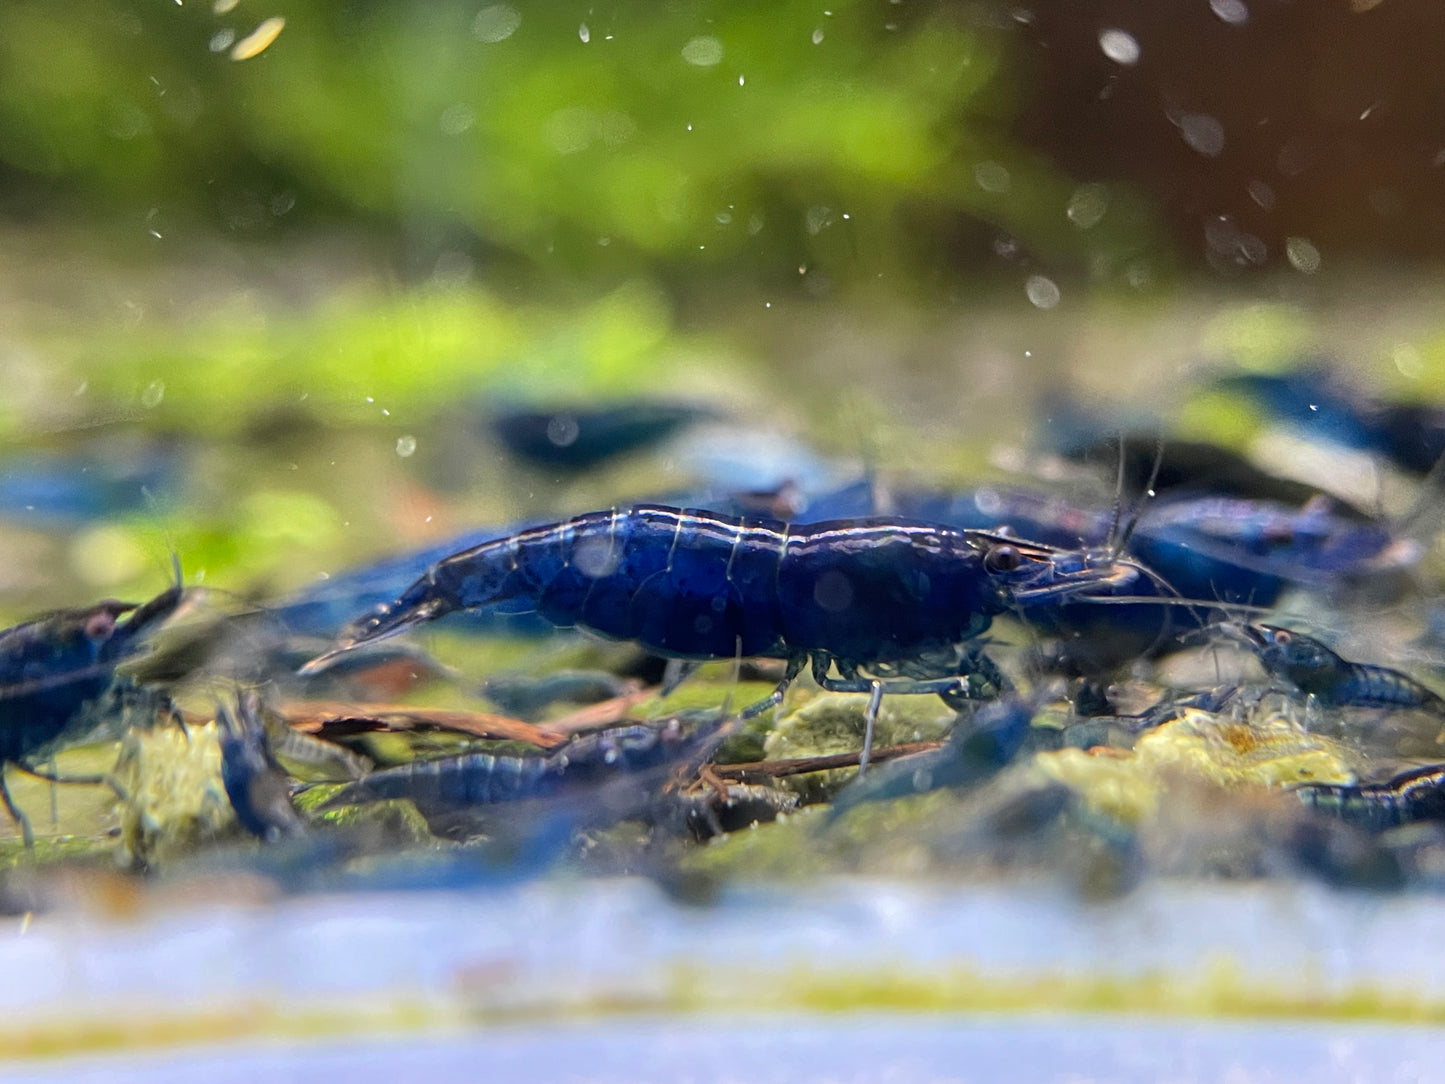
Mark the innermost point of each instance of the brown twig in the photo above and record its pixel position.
(336, 719)
(776, 769)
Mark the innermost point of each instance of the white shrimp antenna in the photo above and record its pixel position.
(1119, 544)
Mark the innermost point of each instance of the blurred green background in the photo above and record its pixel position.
(296, 273)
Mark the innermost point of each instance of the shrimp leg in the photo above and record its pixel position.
(774, 698)
(16, 813)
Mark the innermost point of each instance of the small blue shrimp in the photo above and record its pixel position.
(1334, 681)
(52, 667)
(610, 770)
(257, 785)
(1417, 795)
(978, 749)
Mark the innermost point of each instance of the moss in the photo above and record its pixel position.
(173, 799)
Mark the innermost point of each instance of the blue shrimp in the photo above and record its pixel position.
(1334, 681)
(977, 750)
(51, 668)
(1314, 398)
(1417, 795)
(256, 784)
(610, 770)
(581, 438)
(1239, 552)
(694, 585)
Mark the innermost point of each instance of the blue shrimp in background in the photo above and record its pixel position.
(578, 438)
(1314, 399)
(1317, 670)
(104, 477)
(610, 774)
(1212, 550)
(1407, 798)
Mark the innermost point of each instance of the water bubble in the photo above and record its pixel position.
(818, 36)
(1203, 133)
(457, 118)
(1139, 274)
(259, 40)
(992, 177)
(818, 219)
(496, 23)
(584, 33)
(1407, 359)
(1231, 11)
(1042, 291)
(1087, 205)
(222, 40)
(1262, 194)
(563, 430)
(570, 130)
(1302, 255)
(703, 52)
(595, 557)
(1119, 46)
(224, 7)
(154, 392)
(126, 120)
(405, 445)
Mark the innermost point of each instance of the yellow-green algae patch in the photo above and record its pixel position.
(1219, 990)
(173, 799)
(1268, 752)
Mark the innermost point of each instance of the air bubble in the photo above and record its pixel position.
(1203, 133)
(703, 52)
(1262, 194)
(992, 177)
(1231, 11)
(1407, 359)
(1302, 254)
(405, 445)
(1087, 205)
(1042, 291)
(1119, 46)
(496, 23)
(457, 118)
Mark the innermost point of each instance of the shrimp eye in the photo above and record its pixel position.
(1002, 559)
(100, 625)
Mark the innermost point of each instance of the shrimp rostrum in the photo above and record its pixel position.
(883, 596)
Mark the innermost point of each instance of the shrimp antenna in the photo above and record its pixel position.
(155, 508)
(1147, 494)
(1118, 499)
